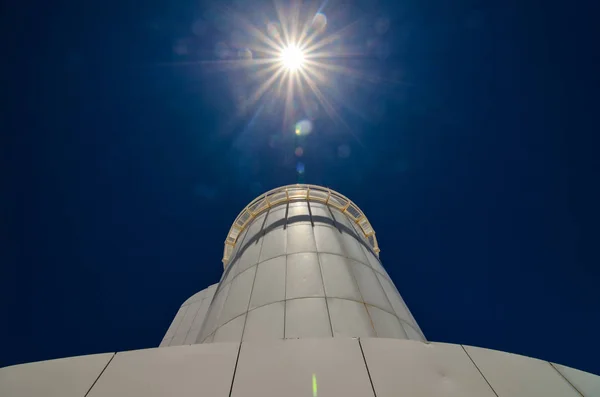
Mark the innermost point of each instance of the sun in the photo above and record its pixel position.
(292, 57)
(292, 63)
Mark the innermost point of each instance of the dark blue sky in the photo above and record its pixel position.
(470, 143)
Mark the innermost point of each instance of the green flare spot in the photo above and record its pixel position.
(314, 385)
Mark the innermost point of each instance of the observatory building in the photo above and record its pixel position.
(304, 308)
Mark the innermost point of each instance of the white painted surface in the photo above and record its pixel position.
(286, 368)
(407, 368)
(189, 318)
(586, 383)
(65, 377)
(180, 371)
(292, 253)
(512, 375)
(278, 367)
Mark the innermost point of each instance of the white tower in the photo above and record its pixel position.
(301, 261)
(304, 308)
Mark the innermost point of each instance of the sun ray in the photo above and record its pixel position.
(345, 70)
(264, 52)
(258, 34)
(323, 81)
(335, 55)
(283, 21)
(275, 66)
(332, 37)
(320, 97)
(319, 76)
(295, 69)
(303, 33)
(302, 95)
(229, 63)
(329, 107)
(289, 99)
(348, 71)
(280, 84)
(263, 88)
(308, 40)
(295, 13)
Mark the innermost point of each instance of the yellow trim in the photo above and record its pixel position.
(258, 204)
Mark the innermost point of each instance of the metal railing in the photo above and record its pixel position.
(298, 192)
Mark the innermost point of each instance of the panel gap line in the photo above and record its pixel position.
(235, 368)
(565, 378)
(478, 369)
(101, 372)
(367, 367)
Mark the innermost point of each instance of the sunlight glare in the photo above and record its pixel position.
(292, 57)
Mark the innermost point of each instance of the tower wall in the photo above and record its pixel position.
(304, 269)
(186, 325)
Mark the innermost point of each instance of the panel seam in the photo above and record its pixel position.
(414, 321)
(404, 305)
(220, 287)
(351, 271)
(318, 297)
(284, 293)
(565, 378)
(324, 293)
(312, 222)
(235, 368)
(478, 369)
(180, 321)
(313, 252)
(261, 240)
(101, 372)
(193, 320)
(367, 367)
(251, 289)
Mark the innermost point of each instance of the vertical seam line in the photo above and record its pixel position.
(101, 372)
(565, 378)
(235, 368)
(262, 240)
(404, 305)
(179, 324)
(324, 292)
(193, 320)
(481, 373)
(367, 367)
(252, 288)
(285, 293)
(362, 298)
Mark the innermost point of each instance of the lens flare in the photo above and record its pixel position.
(294, 59)
(303, 127)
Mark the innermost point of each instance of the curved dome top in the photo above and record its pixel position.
(298, 192)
